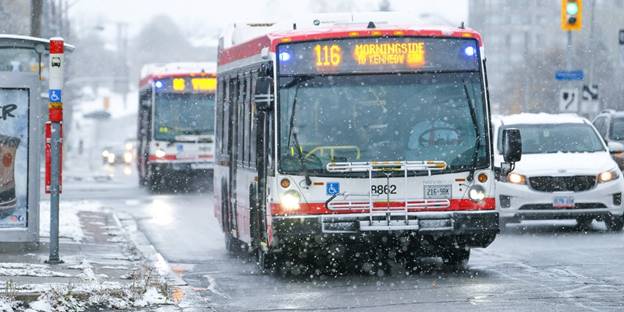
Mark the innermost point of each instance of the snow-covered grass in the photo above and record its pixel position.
(146, 289)
(27, 269)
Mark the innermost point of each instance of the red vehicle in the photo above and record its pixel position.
(354, 133)
(175, 137)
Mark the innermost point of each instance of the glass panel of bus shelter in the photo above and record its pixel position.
(381, 117)
(178, 114)
(14, 158)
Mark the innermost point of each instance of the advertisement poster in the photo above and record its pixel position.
(13, 158)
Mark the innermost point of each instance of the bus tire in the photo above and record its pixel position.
(266, 260)
(456, 257)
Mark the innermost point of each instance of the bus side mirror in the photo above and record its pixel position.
(512, 145)
(263, 95)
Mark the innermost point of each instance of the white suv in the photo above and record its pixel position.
(566, 172)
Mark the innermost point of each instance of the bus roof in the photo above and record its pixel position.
(245, 40)
(151, 72)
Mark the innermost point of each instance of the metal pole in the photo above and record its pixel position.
(55, 110)
(36, 10)
(569, 53)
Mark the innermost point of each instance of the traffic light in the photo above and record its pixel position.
(571, 15)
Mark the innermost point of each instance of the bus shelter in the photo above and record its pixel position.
(23, 99)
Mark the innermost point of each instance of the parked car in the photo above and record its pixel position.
(566, 172)
(610, 125)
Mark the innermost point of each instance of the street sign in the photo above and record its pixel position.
(568, 100)
(55, 95)
(590, 93)
(569, 75)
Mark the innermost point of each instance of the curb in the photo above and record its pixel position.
(190, 301)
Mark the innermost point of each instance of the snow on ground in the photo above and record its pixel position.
(7, 305)
(26, 269)
(69, 223)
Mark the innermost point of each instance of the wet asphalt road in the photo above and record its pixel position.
(534, 267)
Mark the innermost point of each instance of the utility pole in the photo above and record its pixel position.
(36, 11)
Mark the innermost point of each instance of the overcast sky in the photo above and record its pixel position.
(197, 15)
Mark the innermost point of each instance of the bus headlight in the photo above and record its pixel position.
(476, 193)
(160, 153)
(290, 200)
(608, 176)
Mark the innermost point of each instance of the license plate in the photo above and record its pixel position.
(563, 202)
(437, 191)
(201, 166)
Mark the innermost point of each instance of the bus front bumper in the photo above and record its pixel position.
(468, 225)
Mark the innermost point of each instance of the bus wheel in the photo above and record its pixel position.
(232, 245)
(265, 260)
(456, 257)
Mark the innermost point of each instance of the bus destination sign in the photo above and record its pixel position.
(378, 55)
(186, 85)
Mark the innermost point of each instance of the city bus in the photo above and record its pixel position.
(355, 132)
(175, 133)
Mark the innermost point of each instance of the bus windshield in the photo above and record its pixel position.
(183, 114)
(382, 117)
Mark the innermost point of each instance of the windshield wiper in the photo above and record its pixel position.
(292, 134)
(475, 123)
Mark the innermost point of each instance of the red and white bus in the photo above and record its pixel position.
(356, 132)
(175, 123)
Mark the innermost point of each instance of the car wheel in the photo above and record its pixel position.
(584, 224)
(456, 257)
(615, 223)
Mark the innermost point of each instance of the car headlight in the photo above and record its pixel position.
(516, 178)
(290, 200)
(111, 158)
(105, 153)
(476, 193)
(607, 176)
(127, 157)
(160, 153)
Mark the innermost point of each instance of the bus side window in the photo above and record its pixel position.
(142, 129)
(252, 122)
(219, 120)
(240, 120)
(247, 120)
(227, 127)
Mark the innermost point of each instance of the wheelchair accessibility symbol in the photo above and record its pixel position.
(333, 188)
(55, 95)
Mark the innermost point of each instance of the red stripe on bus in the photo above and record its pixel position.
(244, 50)
(319, 208)
(166, 157)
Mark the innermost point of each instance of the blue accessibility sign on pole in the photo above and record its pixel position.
(569, 75)
(55, 95)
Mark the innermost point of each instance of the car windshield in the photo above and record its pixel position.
(617, 129)
(183, 114)
(359, 118)
(556, 138)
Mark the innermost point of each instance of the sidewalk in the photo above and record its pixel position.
(102, 269)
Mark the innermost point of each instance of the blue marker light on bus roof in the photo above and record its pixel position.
(470, 51)
(284, 56)
(159, 84)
